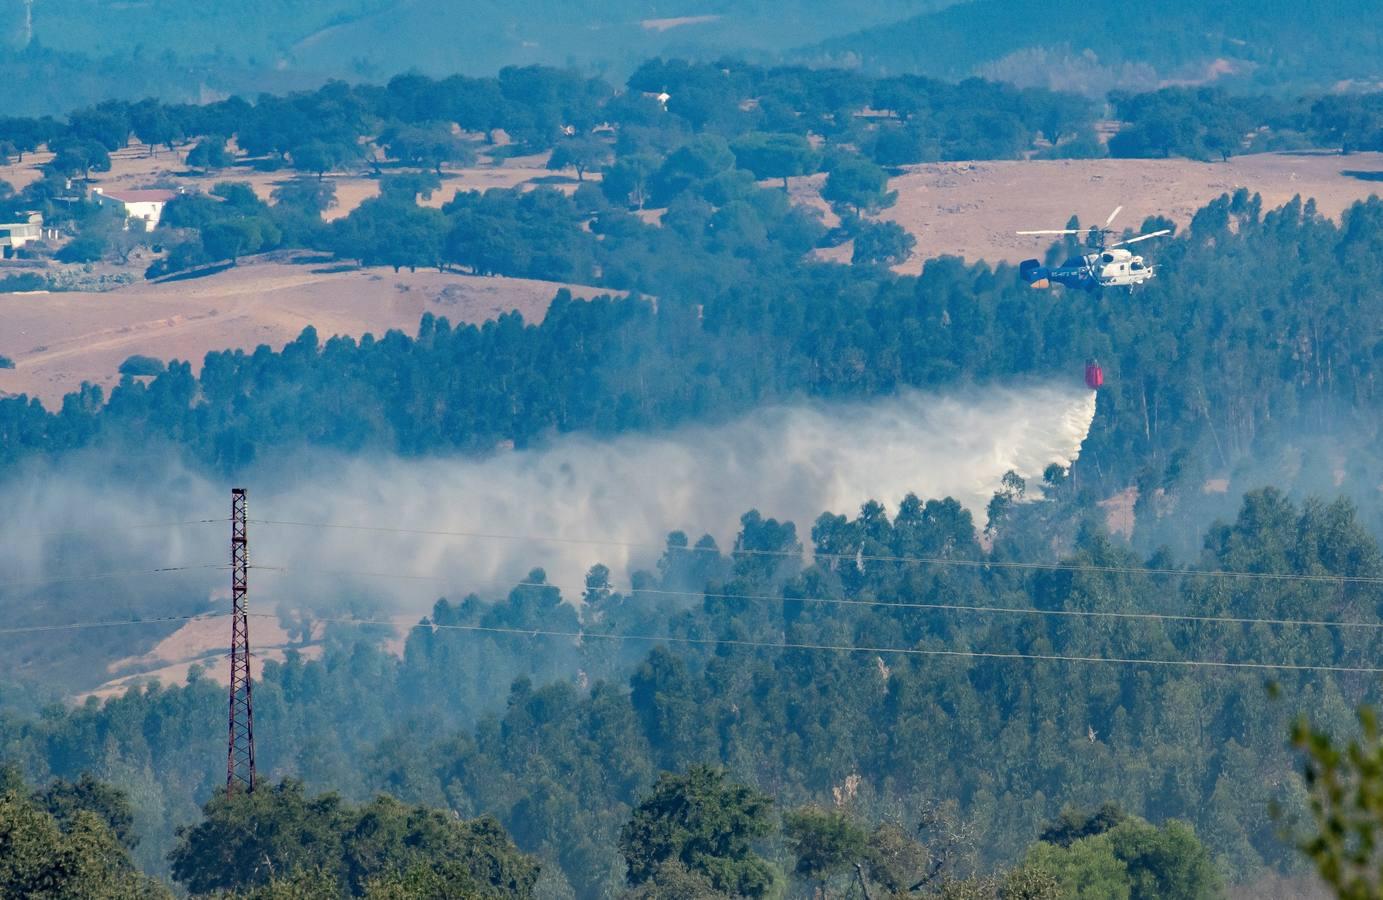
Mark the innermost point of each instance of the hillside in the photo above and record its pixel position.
(675, 492)
(1094, 47)
(77, 52)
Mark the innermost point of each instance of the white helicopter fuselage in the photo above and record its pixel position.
(1118, 268)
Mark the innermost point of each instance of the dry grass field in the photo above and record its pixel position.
(59, 340)
(202, 642)
(971, 209)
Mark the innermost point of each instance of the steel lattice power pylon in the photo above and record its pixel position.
(240, 747)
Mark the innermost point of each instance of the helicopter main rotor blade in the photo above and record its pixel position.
(1143, 237)
(1117, 210)
(1054, 231)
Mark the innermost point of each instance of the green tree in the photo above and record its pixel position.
(902, 145)
(825, 843)
(1166, 863)
(139, 365)
(896, 860)
(279, 839)
(72, 157)
(774, 155)
(429, 145)
(28, 134)
(1344, 781)
(106, 124)
(64, 800)
(1029, 883)
(87, 247)
(1073, 824)
(69, 855)
(308, 195)
(1088, 869)
(700, 159)
(153, 125)
(673, 881)
(209, 153)
(626, 180)
(705, 822)
(233, 238)
(409, 186)
(881, 243)
(1108, 852)
(310, 885)
(858, 184)
(319, 157)
(392, 231)
(581, 153)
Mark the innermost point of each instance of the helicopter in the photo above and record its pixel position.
(1109, 266)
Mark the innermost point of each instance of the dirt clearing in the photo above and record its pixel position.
(59, 340)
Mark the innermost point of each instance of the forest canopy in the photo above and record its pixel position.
(557, 719)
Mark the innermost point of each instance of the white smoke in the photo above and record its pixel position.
(573, 503)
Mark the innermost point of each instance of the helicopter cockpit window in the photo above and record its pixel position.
(1137, 266)
(1108, 257)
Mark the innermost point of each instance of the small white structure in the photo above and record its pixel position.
(146, 204)
(14, 235)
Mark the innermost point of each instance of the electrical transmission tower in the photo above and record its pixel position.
(240, 746)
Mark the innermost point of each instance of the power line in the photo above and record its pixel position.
(883, 603)
(735, 642)
(102, 576)
(62, 532)
(110, 623)
(849, 648)
(853, 557)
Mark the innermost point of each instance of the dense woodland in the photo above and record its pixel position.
(557, 720)
(694, 835)
(850, 720)
(896, 120)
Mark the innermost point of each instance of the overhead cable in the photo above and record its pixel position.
(851, 557)
(876, 602)
(850, 648)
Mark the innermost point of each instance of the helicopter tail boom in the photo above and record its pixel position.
(1034, 273)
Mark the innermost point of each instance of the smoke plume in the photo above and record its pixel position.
(564, 507)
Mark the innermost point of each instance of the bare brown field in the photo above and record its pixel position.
(971, 209)
(202, 642)
(59, 340)
(199, 642)
(21, 174)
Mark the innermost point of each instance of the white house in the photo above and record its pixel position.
(14, 235)
(146, 204)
